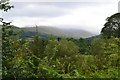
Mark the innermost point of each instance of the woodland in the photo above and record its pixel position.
(61, 58)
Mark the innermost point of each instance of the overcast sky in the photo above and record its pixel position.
(88, 15)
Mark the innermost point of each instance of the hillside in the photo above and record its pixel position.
(60, 32)
(45, 31)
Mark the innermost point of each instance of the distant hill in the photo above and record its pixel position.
(46, 31)
(93, 37)
(30, 34)
(75, 33)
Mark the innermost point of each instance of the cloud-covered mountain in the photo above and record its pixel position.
(75, 33)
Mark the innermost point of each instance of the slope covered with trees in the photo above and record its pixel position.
(47, 30)
(59, 58)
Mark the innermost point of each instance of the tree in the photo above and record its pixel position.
(37, 47)
(64, 51)
(7, 33)
(112, 26)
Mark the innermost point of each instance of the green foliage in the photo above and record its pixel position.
(63, 58)
(6, 32)
(107, 73)
(4, 5)
(65, 51)
(84, 45)
(106, 52)
(7, 42)
(112, 26)
(37, 47)
(88, 64)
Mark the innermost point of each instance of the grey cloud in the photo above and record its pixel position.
(34, 13)
(53, 9)
(47, 10)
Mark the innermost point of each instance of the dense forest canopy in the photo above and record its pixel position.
(61, 57)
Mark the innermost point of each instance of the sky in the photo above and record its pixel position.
(87, 15)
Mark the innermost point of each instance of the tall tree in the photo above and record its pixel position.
(112, 26)
(7, 33)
